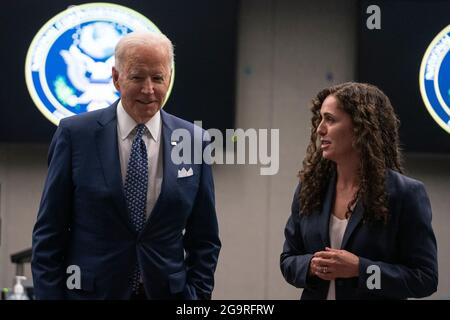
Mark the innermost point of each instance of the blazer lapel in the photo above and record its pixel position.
(355, 219)
(108, 152)
(324, 217)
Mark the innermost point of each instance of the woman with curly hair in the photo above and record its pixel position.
(359, 228)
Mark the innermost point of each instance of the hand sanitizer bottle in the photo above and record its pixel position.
(18, 292)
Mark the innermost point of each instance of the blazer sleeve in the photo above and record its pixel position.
(294, 261)
(51, 230)
(201, 240)
(416, 274)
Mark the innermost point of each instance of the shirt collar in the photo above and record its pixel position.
(126, 123)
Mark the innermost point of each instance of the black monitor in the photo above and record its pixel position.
(203, 32)
(391, 58)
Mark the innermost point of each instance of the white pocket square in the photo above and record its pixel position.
(183, 173)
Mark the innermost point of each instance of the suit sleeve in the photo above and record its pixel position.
(416, 274)
(51, 231)
(201, 240)
(294, 260)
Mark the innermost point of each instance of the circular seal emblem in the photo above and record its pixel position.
(434, 79)
(68, 64)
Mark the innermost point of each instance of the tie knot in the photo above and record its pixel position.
(140, 130)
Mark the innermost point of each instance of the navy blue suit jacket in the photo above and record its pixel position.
(404, 249)
(83, 220)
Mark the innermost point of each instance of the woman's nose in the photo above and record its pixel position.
(321, 129)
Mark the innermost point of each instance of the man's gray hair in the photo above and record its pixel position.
(139, 38)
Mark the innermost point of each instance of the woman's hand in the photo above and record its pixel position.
(333, 263)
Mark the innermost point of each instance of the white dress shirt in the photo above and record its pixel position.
(152, 140)
(337, 230)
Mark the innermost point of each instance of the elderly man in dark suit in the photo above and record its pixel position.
(116, 206)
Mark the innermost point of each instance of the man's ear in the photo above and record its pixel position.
(115, 76)
(170, 77)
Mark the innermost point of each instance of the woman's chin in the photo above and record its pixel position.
(326, 155)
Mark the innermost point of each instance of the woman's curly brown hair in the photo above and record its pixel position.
(375, 136)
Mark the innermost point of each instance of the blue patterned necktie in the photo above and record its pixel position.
(136, 184)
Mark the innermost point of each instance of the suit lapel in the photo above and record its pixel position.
(108, 152)
(170, 170)
(324, 217)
